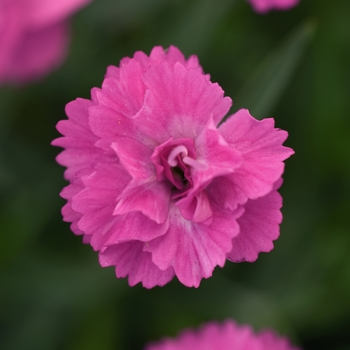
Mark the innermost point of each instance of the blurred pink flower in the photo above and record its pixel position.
(33, 37)
(229, 335)
(155, 186)
(264, 6)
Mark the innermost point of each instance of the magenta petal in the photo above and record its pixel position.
(226, 336)
(135, 157)
(172, 56)
(263, 154)
(10, 35)
(113, 72)
(270, 340)
(150, 198)
(38, 52)
(259, 227)
(216, 155)
(124, 95)
(109, 125)
(69, 215)
(105, 229)
(96, 203)
(130, 260)
(264, 6)
(214, 158)
(106, 182)
(76, 185)
(39, 13)
(196, 210)
(179, 102)
(195, 249)
(78, 139)
(136, 226)
(77, 127)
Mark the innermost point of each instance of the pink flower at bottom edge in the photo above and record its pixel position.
(228, 335)
(155, 186)
(263, 6)
(34, 37)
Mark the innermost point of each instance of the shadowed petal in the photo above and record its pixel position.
(130, 260)
(259, 227)
(150, 198)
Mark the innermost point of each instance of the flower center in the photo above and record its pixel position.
(174, 160)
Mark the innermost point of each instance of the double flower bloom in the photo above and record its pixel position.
(156, 187)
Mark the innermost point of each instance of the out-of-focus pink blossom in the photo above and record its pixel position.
(156, 186)
(33, 37)
(263, 6)
(229, 335)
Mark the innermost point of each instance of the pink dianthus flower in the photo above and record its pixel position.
(229, 335)
(33, 37)
(263, 6)
(155, 186)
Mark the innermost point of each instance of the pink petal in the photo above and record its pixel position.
(172, 56)
(96, 204)
(68, 192)
(109, 124)
(135, 157)
(216, 154)
(214, 158)
(10, 34)
(69, 215)
(264, 6)
(194, 249)
(212, 336)
(78, 139)
(130, 260)
(197, 210)
(116, 103)
(38, 52)
(270, 340)
(113, 72)
(39, 13)
(150, 198)
(263, 154)
(179, 102)
(124, 95)
(136, 226)
(259, 227)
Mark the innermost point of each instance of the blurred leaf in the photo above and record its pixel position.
(57, 298)
(267, 83)
(121, 13)
(25, 216)
(194, 29)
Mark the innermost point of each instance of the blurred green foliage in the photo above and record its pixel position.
(291, 65)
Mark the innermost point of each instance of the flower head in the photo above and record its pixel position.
(229, 335)
(155, 186)
(33, 37)
(263, 6)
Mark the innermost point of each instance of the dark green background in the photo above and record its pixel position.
(294, 66)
